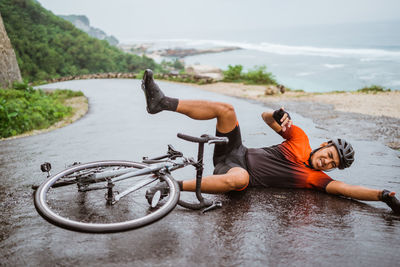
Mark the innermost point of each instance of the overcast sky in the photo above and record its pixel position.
(127, 19)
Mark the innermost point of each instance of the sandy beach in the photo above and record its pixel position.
(361, 116)
(378, 104)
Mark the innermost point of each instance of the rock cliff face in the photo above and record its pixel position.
(9, 70)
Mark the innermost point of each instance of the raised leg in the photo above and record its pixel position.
(206, 110)
(236, 178)
(195, 109)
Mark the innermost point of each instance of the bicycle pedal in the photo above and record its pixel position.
(46, 167)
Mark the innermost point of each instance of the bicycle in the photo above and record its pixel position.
(71, 198)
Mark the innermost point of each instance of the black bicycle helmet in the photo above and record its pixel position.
(345, 150)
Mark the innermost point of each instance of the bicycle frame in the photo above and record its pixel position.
(167, 166)
(164, 166)
(155, 168)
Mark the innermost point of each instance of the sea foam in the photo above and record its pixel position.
(282, 49)
(333, 66)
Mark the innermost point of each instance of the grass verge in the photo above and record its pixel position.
(23, 108)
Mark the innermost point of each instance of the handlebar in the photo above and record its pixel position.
(205, 138)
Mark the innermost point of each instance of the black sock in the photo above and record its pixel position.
(169, 103)
(180, 183)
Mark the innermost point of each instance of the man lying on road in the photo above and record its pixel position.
(291, 164)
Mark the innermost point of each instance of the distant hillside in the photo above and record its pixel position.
(47, 46)
(82, 22)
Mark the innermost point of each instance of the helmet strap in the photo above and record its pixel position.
(310, 165)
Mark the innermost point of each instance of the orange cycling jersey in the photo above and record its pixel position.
(284, 165)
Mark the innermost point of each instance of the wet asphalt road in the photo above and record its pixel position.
(258, 227)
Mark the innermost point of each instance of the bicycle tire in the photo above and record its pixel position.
(63, 194)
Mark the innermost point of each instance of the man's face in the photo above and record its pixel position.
(326, 158)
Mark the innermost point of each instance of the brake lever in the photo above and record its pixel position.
(223, 140)
(215, 205)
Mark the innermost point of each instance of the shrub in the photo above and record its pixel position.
(233, 74)
(373, 89)
(25, 109)
(174, 64)
(294, 90)
(259, 75)
(20, 86)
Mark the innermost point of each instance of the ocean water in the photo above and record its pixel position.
(314, 58)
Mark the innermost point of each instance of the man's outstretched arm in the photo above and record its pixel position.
(364, 193)
(353, 191)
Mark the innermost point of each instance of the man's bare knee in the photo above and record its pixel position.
(226, 109)
(238, 178)
(226, 120)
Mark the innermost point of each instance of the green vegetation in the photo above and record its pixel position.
(373, 89)
(294, 90)
(172, 65)
(233, 74)
(184, 78)
(49, 47)
(257, 75)
(23, 108)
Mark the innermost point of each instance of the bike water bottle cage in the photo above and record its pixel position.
(278, 115)
(345, 151)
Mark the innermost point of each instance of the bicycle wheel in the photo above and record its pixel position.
(74, 200)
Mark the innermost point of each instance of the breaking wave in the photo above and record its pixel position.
(281, 49)
(334, 66)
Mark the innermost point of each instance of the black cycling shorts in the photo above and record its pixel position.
(232, 154)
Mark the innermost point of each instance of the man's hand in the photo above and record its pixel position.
(282, 118)
(389, 198)
(286, 122)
